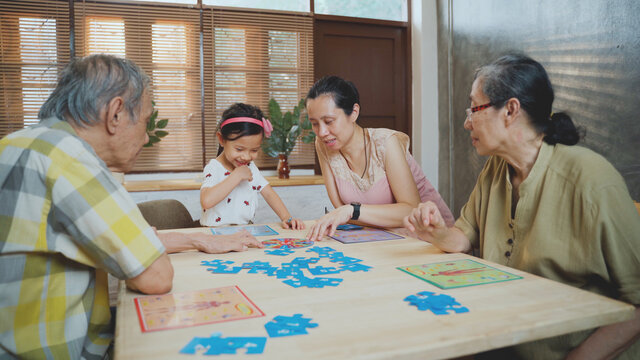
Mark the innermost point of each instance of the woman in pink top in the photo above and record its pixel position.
(370, 175)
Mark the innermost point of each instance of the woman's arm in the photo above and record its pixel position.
(427, 222)
(210, 196)
(275, 202)
(609, 341)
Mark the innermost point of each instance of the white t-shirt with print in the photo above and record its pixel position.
(239, 207)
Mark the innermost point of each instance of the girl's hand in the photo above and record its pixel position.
(426, 221)
(293, 223)
(244, 172)
(327, 224)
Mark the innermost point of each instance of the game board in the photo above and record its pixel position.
(458, 273)
(255, 230)
(178, 310)
(364, 235)
(286, 243)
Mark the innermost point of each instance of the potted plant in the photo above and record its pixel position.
(287, 128)
(156, 135)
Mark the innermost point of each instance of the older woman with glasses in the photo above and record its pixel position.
(544, 206)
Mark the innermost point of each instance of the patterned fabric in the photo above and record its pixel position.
(375, 188)
(574, 223)
(64, 223)
(239, 207)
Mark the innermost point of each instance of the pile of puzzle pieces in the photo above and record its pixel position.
(278, 327)
(293, 271)
(438, 304)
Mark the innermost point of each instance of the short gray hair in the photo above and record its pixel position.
(87, 84)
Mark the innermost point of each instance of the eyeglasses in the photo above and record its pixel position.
(477, 108)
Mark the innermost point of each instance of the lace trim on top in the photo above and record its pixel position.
(376, 149)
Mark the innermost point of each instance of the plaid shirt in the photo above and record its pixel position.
(64, 223)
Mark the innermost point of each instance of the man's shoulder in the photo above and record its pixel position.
(42, 138)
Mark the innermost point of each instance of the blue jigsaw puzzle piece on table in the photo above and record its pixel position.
(303, 263)
(355, 267)
(321, 251)
(289, 325)
(224, 270)
(279, 252)
(321, 270)
(215, 262)
(440, 304)
(217, 345)
(256, 264)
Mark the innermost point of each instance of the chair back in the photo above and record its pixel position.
(167, 214)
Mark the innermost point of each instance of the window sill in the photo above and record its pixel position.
(192, 184)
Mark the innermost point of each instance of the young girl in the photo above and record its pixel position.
(229, 192)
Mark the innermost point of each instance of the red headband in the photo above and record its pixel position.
(264, 123)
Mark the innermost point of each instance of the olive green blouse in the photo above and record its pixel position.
(574, 223)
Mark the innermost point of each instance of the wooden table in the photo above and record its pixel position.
(365, 317)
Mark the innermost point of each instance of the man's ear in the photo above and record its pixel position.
(113, 114)
(513, 111)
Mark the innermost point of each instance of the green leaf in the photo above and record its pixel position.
(147, 145)
(161, 133)
(152, 121)
(306, 124)
(162, 123)
(153, 139)
(311, 137)
(287, 121)
(275, 114)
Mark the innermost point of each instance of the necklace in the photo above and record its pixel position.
(366, 159)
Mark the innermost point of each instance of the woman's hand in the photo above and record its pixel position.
(292, 223)
(427, 222)
(217, 244)
(327, 224)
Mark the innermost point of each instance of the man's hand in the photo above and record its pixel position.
(217, 244)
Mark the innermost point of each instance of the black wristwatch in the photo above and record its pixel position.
(356, 210)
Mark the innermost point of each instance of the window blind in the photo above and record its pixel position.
(34, 46)
(253, 57)
(165, 42)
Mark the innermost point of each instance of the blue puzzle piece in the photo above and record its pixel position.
(322, 251)
(355, 267)
(289, 325)
(225, 270)
(256, 264)
(279, 252)
(215, 262)
(438, 304)
(320, 270)
(217, 345)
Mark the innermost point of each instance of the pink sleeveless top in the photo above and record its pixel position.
(375, 188)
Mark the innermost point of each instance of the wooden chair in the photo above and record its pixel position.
(637, 206)
(167, 214)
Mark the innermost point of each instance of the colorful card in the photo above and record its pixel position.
(364, 235)
(286, 243)
(255, 230)
(458, 273)
(173, 311)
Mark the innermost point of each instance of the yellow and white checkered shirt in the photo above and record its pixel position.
(64, 223)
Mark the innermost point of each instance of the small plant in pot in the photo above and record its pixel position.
(154, 128)
(287, 128)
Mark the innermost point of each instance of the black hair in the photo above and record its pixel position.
(237, 130)
(343, 92)
(518, 76)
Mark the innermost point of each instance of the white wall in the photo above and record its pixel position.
(424, 49)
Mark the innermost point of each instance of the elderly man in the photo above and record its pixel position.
(65, 222)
